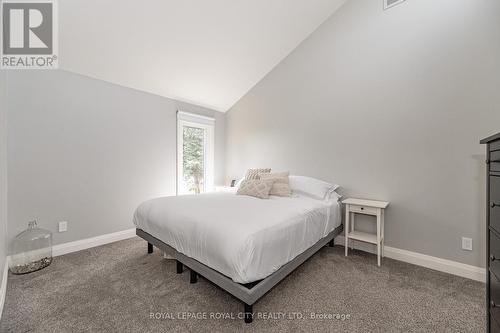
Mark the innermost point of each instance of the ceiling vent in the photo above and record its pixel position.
(391, 3)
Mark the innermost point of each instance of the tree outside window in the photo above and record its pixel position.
(193, 158)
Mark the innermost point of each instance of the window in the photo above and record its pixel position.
(195, 153)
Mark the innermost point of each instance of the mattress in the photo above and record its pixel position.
(242, 237)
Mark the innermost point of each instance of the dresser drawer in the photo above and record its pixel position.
(494, 328)
(495, 160)
(367, 210)
(494, 298)
(495, 145)
(494, 204)
(495, 289)
(494, 255)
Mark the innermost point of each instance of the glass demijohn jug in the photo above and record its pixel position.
(31, 250)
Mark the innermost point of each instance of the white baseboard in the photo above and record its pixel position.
(438, 264)
(443, 265)
(3, 285)
(83, 244)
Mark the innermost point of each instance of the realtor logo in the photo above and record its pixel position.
(29, 34)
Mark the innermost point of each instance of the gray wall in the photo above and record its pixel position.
(3, 174)
(89, 152)
(391, 105)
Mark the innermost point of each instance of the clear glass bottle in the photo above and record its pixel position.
(31, 250)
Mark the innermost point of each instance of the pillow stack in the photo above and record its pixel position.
(261, 183)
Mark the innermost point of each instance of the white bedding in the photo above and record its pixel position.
(242, 237)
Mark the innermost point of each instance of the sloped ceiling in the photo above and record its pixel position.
(207, 52)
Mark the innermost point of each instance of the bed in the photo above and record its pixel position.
(243, 244)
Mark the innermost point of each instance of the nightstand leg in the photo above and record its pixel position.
(346, 229)
(351, 222)
(378, 237)
(378, 254)
(383, 235)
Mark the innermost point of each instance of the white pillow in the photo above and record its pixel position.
(312, 187)
(238, 183)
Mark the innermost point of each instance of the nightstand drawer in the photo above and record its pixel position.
(363, 209)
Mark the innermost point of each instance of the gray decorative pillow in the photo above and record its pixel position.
(255, 188)
(281, 185)
(254, 173)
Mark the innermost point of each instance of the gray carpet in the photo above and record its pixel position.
(116, 287)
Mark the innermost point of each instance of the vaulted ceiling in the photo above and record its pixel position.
(208, 52)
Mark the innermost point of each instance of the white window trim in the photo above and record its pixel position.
(208, 124)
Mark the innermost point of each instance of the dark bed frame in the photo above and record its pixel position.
(247, 293)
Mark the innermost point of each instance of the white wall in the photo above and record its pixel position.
(89, 152)
(3, 175)
(391, 105)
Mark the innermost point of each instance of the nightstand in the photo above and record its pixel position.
(367, 207)
(224, 189)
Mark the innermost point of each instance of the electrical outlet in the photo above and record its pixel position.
(466, 243)
(63, 226)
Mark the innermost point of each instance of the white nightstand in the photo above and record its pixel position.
(367, 207)
(224, 189)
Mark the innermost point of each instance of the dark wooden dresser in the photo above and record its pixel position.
(493, 231)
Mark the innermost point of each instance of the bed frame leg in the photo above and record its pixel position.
(193, 277)
(332, 243)
(150, 248)
(179, 267)
(248, 313)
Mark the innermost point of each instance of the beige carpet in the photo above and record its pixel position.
(118, 287)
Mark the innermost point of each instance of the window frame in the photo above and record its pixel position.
(208, 125)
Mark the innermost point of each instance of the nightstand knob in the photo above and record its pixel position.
(493, 305)
(492, 257)
(362, 208)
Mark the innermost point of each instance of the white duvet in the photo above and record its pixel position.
(242, 237)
